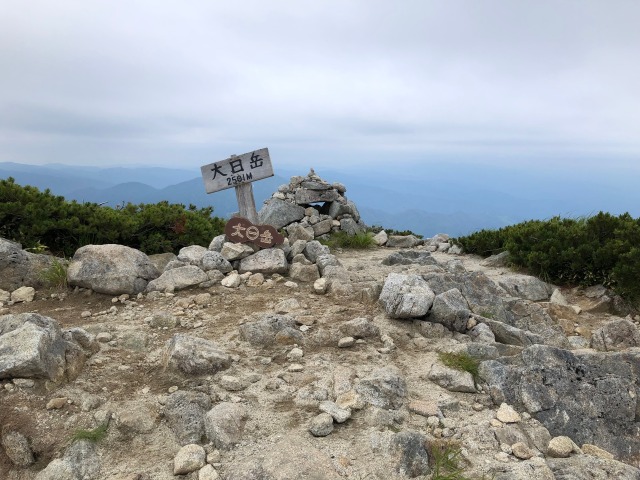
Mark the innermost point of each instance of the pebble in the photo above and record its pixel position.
(56, 403)
(521, 451)
(290, 284)
(424, 408)
(104, 337)
(321, 425)
(340, 415)
(506, 414)
(173, 389)
(496, 423)
(560, 447)
(85, 314)
(208, 473)
(295, 354)
(502, 457)
(295, 367)
(189, 459)
(346, 342)
(589, 449)
(24, 382)
(478, 407)
(232, 384)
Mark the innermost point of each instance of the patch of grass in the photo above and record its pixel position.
(461, 361)
(445, 457)
(56, 275)
(359, 241)
(95, 435)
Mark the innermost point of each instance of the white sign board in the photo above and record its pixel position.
(237, 170)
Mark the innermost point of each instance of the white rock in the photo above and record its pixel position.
(506, 414)
(320, 286)
(233, 280)
(208, 473)
(190, 458)
(23, 294)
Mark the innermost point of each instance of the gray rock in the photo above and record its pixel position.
(315, 249)
(452, 379)
(177, 279)
(280, 213)
(136, 417)
(195, 355)
(534, 319)
(192, 254)
(322, 227)
(224, 424)
(340, 415)
(509, 335)
(381, 238)
(385, 388)
(587, 467)
(306, 196)
(616, 335)
(498, 260)
(325, 260)
(189, 458)
(304, 273)
(409, 257)
(525, 286)
(80, 462)
(406, 296)
(590, 397)
(451, 310)
(321, 425)
(161, 260)
(338, 209)
(21, 268)
(163, 319)
(174, 264)
(23, 294)
(359, 328)
(297, 248)
(482, 333)
(268, 261)
(31, 346)
(402, 241)
(235, 251)
(269, 328)
(16, 447)
(297, 232)
(213, 260)
(217, 243)
(350, 226)
(409, 455)
(185, 412)
(111, 269)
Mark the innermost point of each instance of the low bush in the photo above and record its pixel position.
(602, 249)
(358, 241)
(460, 361)
(40, 219)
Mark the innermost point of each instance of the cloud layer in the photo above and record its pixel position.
(185, 83)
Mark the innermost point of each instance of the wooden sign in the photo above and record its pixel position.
(237, 170)
(241, 230)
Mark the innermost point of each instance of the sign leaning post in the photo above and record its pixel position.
(238, 171)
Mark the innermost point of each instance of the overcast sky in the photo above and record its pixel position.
(325, 82)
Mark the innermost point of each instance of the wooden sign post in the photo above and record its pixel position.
(239, 171)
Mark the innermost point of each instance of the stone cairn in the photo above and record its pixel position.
(309, 207)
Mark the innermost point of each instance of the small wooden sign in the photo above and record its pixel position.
(237, 170)
(241, 230)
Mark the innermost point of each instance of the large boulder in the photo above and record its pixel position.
(384, 388)
(526, 286)
(406, 296)
(194, 355)
(451, 309)
(224, 424)
(31, 346)
(270, 329)
(402, 241)
(279, 213)
(591, 397)
(268, 261)
(21, 268)
(619, 334)
(111, 269)
(178, 279)
(185, 413)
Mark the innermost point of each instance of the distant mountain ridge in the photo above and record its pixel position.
(426, 199)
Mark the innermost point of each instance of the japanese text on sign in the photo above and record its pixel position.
(237, 170)
(241, 230)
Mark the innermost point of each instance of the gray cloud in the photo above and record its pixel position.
(189, 81)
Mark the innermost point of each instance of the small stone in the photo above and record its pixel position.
(350, 400)
(424, 408)
(506, 414)
(290, 284)
(23, 294)
(345, 342)
(24, 382)
(521, 451)
(340, 415)
(104, 337)
(173, 389)
(496, 423)
(189, 459)
(506, 448)
(295, 354)
(56, 403)
(596, 451)
(320, 286)
(295, 367)
(560, 447)
(502, 457)
(85, 314)
(433, 421)
(321, 425)
(17, 448)
(208, 473)
(478, 407)
(232, 280)
(232, 384)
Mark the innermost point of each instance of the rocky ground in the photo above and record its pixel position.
(277, 381)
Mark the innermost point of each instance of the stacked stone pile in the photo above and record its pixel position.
(315, 205)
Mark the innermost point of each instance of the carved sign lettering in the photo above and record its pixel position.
(241, 230)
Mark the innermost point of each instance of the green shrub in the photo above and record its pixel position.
(391, 231)
(95, 435)
(460, 361)
(358, 241)
(37, 219)
(602, 249)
